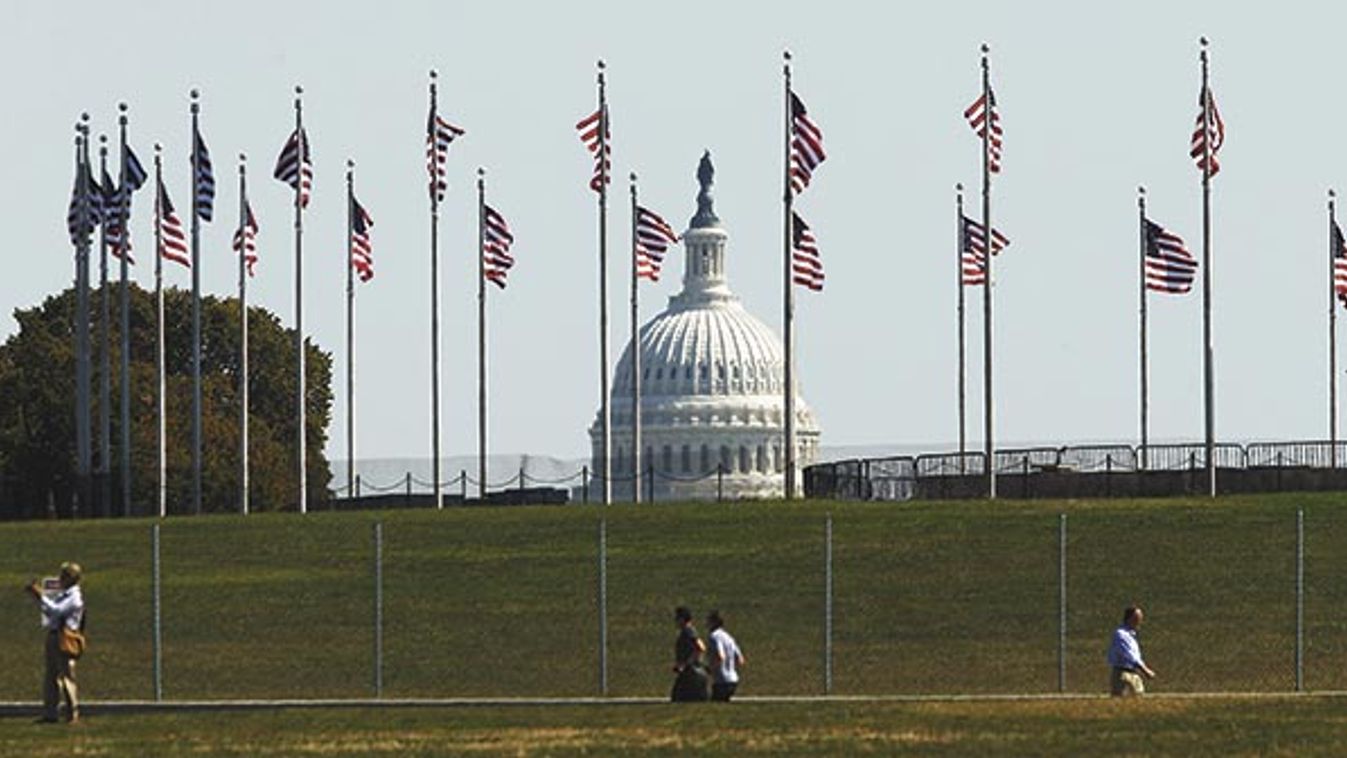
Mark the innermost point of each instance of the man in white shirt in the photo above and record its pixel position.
(65, 609)
(1124, 657)
(726, 658)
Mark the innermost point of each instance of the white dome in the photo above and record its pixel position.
(712, 390)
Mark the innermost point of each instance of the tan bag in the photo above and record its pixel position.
(71, 642)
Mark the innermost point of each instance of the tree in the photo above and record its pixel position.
(37, 408)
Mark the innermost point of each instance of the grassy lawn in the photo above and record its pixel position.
(1286, 726)
(929, 597)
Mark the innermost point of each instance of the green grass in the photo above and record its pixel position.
(929, 597)
(1285, 726)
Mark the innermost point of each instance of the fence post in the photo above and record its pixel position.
(407, 482)
(357, 486)
(378, 609)
(1300, 600)
(156, 604)
(1061, 602)
(522, 476)
(603, 606)
(720, 482)
(463, 485)
(1279, 471)
(1108, 475)
(584, 483)
(650, 486)
(828, 605)
(1025, 467)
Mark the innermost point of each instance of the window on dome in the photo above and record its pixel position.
(645, 375)
(687, 459)
(762, 460)
(776, 458)
(743, 459)
(706, 459)
(659, 374)
(667, 459)
(648, 461)
(687, 373)
(726, 459)
(617, 460)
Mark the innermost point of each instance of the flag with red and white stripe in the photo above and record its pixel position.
(653, 237)
(362, 250)
(980, 114)
(439, 135)
(172, 238)
(1170, 268)
(294, 167)
(1208, 134)
(806, 146)
(806, 264)
(245, 238)
(1339, 264)
(596, 134)
(496, 242)
(974, 250)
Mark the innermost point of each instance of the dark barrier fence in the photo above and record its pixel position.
(1086, 471)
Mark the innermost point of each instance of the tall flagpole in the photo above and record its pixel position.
(481, 334)
(83, 365)
(125, 214)
(1208, 370)
(350, 332)
(161, 445)
(635, 358)
(963, 371)
(788, 297)
(604, 404)
(987, 406)
(435, 367)
(243, 336)
(1333, 253)
(196, 317)
(1141, 296)
(302, 458)
(105, 349)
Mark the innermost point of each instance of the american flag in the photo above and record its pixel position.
(107, 200)
(589, 128)
(204, 178)
(974, 249)
(653, 237)
(294, 167)
(245, 238)
(439, 133)
(978, 119)
(85, 209)
(805, 260)
(496, 243)
(1208, 133)
(362, 250)
(118, 208)
(1339, 264)
(134, 174)
(172, 239)
(806, 146)
(1169, 266)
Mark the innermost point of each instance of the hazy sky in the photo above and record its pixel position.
(1093, 102)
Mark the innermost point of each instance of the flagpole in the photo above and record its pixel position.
(125, 213)
(432, 146)
(963, 372)
(1141, 296)
(350, 332)
(987, 406)
(1332, 334)
(83, 364)
(302, 458)
(635, 357)
(161, 445)
(788, 297)
(606, 409)
(243, 336)
(1208, 370)
(481, 334)
(104, 339)
(196, 316)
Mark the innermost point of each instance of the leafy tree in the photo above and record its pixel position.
(37, 408)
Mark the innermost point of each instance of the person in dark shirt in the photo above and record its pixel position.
(690, 674)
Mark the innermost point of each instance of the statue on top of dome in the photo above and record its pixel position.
(706, 214)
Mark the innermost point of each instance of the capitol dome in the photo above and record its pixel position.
(711, 388)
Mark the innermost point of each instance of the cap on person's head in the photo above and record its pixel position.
(713, 619)
(72, 570)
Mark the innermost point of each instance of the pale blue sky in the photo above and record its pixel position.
(1094, 101)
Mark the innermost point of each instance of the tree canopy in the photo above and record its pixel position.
(37, 408)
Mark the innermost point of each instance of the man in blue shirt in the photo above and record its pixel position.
(1124, 656)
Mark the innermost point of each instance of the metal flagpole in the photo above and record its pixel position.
(1141, 295)
(83, 364)
(788, 297)
(1208, 370)
(125, 213)
(243, 336)
(302, 457)
(350, 332)
(1333, 253)
(433, 147)
(481, 334)
(987, 406)
(105, 350)
(196, 317)
(963, 371)
(635, 357)
(604, 404)
(161, 446)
